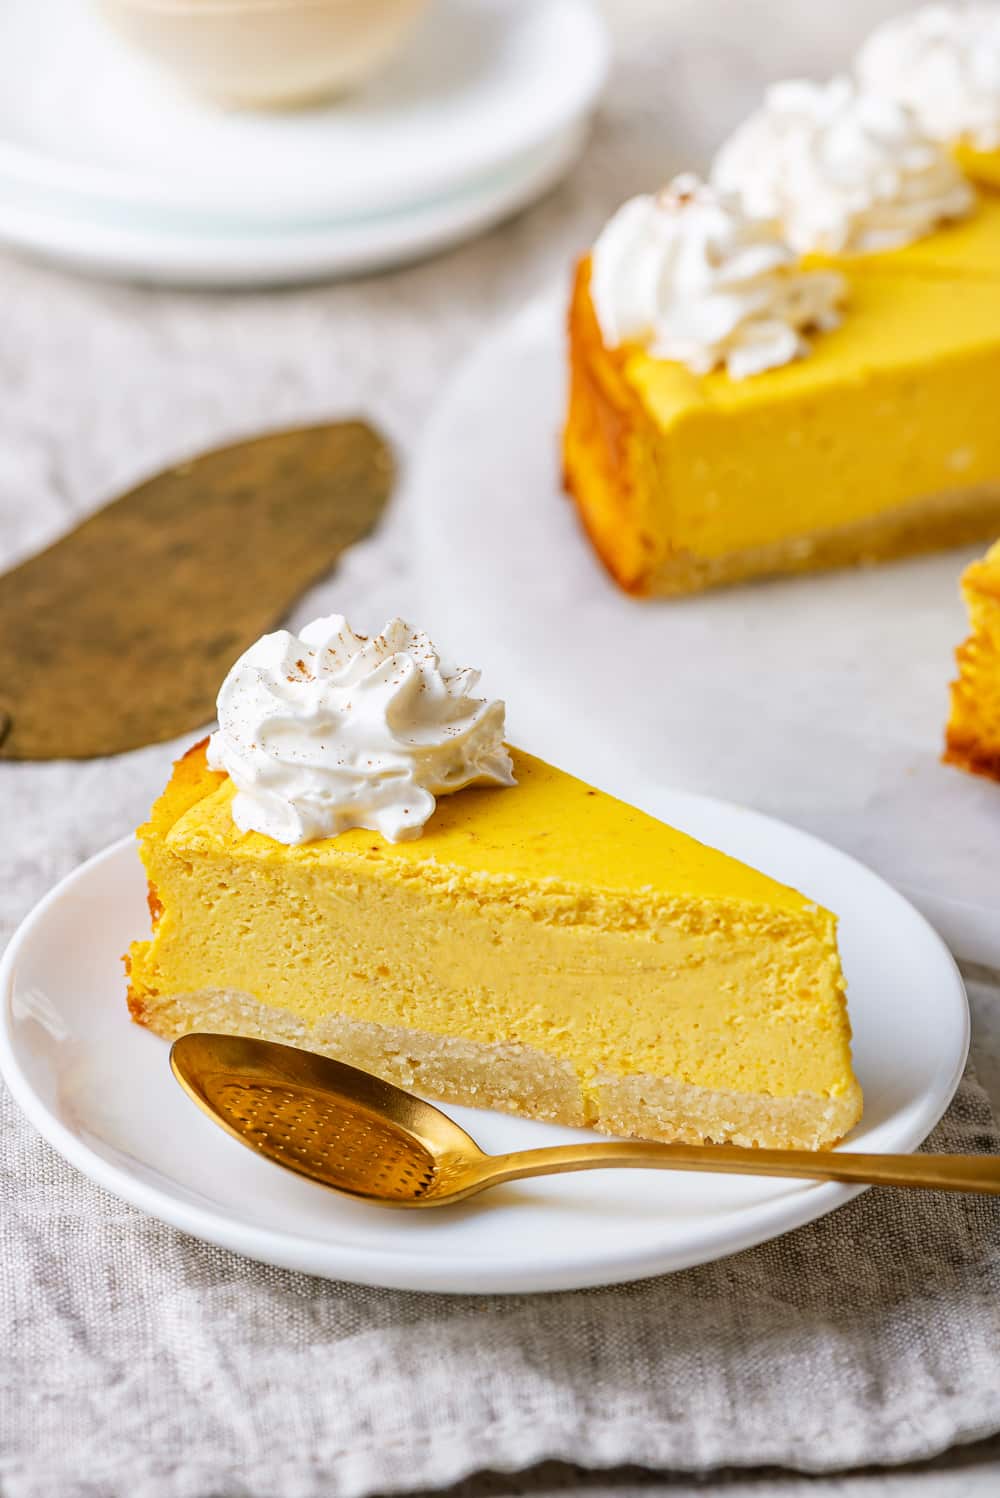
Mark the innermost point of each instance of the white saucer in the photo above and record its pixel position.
(97, 128)
(819, 699)
(177, 255)
(100, 1090)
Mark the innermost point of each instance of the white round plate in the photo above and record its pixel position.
(100, 1090)
(819, 699)
(482, 81)
(177, 255)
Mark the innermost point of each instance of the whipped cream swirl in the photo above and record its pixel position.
(943, 62)
(688, 275)
(328, 730)
(841, 169)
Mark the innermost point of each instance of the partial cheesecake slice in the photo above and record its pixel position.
(973, 738)
(543, 949)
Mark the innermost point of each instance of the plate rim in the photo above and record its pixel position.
(399, 1269)
(301, 254)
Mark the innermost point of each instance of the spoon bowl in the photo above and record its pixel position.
(323, 1119)
(365, 1138)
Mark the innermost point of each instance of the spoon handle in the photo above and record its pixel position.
(934, 1172)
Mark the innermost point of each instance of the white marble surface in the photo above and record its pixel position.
(102, 384)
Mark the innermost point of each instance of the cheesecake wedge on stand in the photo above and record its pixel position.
(357, 864)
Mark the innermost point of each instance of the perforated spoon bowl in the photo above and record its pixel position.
(349, 1130)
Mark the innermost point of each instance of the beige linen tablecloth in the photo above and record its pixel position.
(139, 1362)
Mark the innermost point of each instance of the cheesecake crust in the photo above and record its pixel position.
(956, 517)
(517, 1079)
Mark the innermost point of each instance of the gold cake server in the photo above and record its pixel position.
(119, 634)
(361, 1136)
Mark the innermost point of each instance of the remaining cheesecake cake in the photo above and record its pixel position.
(539, 947)
(973, 735)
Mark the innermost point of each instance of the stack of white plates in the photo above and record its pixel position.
(106, 165)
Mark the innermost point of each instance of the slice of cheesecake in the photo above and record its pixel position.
(973, 736)
(543, 949)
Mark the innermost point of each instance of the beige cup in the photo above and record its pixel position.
(269, 54)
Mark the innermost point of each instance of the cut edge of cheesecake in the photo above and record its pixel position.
(608, 423)
(972, 739)
(513, 1075)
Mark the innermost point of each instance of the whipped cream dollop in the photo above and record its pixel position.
(688, 275)
(943, 62)
(841, 169)
(327, 730)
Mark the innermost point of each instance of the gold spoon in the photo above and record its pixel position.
(359, 1135)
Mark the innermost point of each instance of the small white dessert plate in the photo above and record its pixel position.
(177, 255)
(91, 122)
(100, 1090)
